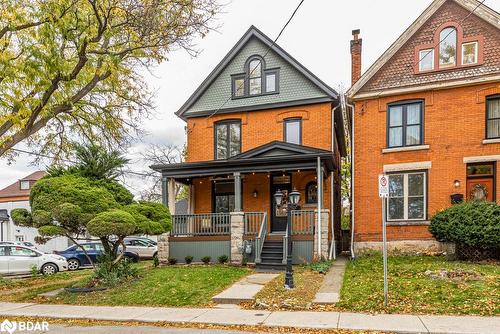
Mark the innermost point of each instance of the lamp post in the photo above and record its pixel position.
(293, 200)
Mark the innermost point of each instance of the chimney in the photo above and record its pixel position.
(355, 56)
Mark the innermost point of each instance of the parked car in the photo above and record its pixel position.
(20, 243)
(142, 246)
(76, 257)
(17, 259)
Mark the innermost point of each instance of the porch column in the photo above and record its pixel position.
(168, 199)
(171, 195)
(164, 191)
(237, 230)
(237, 192)
(321, 238)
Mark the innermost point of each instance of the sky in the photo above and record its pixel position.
(318, 37)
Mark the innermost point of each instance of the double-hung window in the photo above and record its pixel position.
(493, 117)
(227, 139)
(405, 124)
(293, 130)
(407, 196)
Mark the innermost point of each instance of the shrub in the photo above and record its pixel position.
(109, 275)
(244, 260)
(475, 224)
(188, 259)
(222, 259)
(172, 260)
(156, 261)
(321, 266)
(206, 259)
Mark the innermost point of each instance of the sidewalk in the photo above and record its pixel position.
(323, 320)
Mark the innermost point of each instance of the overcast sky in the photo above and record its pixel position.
(318, 37)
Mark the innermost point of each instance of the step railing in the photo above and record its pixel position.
(303, 222)
(261, 238)
(253, 222)
(201, 224)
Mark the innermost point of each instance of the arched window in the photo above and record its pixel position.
(311, 193)
(256, 80)
(448, 47)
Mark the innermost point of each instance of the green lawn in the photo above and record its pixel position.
(411, 290)
(166, 286)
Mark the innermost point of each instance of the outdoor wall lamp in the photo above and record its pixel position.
(255, 193)
(456, 183)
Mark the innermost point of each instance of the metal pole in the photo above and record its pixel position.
(384, 241)
(319, 186)
(289, 271)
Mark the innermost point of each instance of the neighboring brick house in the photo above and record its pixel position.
(259, 123)
(427, 113)
(16, 196)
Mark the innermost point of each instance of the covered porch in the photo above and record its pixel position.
(231, 201)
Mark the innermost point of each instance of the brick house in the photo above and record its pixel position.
(258, 124)
(427, 113)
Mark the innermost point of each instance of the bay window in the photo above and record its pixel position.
(407, 196)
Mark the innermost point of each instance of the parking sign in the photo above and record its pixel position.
(383, 186)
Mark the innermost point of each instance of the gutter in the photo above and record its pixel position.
(351, 143)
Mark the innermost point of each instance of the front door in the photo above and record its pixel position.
(281, 182)
(480, 182)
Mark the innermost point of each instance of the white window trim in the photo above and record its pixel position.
(475, 55)
(405, 199)
(420, 58)
(24, 182)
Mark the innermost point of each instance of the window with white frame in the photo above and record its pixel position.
(255, 80)
(407, 196)
(426, 60)
(24, 185)
(469, 53)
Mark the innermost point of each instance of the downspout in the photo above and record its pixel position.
(351, 143)
(333, 248)
(319, 176)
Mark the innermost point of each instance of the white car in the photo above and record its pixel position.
(16, 259)
(142, 247)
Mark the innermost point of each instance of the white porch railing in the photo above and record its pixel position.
(253, 221)
(303, 222)
(201, 224)
(261, 238)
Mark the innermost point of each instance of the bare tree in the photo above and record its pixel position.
(161, 154)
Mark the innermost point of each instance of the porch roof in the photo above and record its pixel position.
(274, 156)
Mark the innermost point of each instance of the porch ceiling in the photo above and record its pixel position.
(275, 156)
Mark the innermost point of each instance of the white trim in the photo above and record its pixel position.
(405, 148)
(428, 53)
(408, 166)
(491, 141)
(484, 12)
(481, 158)
(433, 86)
(406, 198)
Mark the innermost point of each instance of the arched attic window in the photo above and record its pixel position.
(448, 47)
(256, 80)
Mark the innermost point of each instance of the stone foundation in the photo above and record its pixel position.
(325, 220)
(163, 248)
(237, 230)
(402, 246)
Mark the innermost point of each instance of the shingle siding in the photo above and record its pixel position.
(398, 71)
(293, 85)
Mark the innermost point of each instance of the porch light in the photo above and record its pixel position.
(294, 197)
(278, 197)
(456, 183)
(255, 193)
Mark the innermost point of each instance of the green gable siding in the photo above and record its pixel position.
(293, 85)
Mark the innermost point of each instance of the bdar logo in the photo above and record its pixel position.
(8, 326)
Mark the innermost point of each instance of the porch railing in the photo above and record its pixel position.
(261, 238)
(253, 221)
(303, 222)
(201, 224)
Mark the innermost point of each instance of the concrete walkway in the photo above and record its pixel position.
(244, 290)
(329, 293)
(324, 320)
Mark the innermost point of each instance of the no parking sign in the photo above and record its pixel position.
(383, 185)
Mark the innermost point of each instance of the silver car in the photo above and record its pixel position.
(142, 247)
(16, 259)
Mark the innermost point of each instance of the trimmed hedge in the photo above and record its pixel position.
(475, 224)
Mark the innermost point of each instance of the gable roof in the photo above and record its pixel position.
(480, 10)
(14, 190)
(278, 148)
(253, 32)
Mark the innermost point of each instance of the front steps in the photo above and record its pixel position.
(271, 256)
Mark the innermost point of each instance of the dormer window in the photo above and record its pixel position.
(448, 47)
(257, 80)
(24, 185)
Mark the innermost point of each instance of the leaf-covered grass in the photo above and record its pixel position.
(274, 296)
(412, 290)
(166, 286)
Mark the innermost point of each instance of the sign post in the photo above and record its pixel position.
(383, 192)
